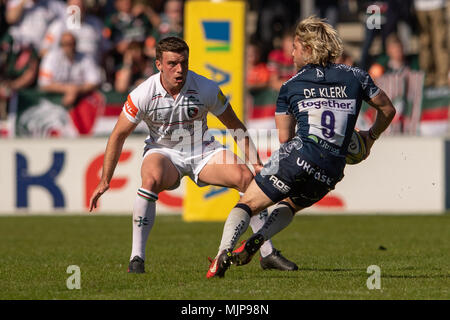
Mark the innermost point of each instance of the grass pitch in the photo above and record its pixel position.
(333, 253)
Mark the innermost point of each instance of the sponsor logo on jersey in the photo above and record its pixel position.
(130, 108)
(315, 171)
(157, 96)
(280, 185)
(221, 97)
(193, 99)
(347, 105)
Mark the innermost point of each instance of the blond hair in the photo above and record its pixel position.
(324, 41)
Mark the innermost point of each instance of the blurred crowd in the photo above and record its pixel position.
(269, 54)
(76, 47)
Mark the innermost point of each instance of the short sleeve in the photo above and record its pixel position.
(368, 86)
(219, 103)
(92, 71)
(282, 101)
(134, 107)
(46, 70)
(52, 36)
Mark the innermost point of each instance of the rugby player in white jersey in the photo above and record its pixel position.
(174, 104)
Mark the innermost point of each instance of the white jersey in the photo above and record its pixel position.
(88, 36)
(56, 67)
(36, 16)
(179, 121)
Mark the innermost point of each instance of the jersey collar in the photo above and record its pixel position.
(164, 92)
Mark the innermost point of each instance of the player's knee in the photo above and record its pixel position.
(151, 184)
(245, 177)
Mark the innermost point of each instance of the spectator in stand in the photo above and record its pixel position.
(135, 69)
(18, 70)
(143, 7)
(88, 35)
(391, 13)
(433, 39)
(346, 59)
(171, 25)
(128, 24)
(258, 74)
(329, 10)
(74, 75)
(395, 60)
(260, 98)
(274, 16)
(371, 32)
(171, 20)
(280, 62)
(29, 19)
(3, 23)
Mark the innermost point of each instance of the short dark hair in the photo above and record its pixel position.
(171, 44)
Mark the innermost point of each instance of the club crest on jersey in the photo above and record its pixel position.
(192, 111)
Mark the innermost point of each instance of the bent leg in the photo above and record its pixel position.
(158, 173)
(253, 201)
(227, 170)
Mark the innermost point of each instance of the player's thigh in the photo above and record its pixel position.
(158, 173)
(255, 198)
(227, 170)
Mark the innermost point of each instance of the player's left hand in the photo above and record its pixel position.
(368, 140)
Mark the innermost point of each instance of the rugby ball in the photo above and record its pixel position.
(356, 151)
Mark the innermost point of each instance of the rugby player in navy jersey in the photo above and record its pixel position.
(315, 116)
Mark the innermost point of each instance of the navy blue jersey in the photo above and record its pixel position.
(325, 102)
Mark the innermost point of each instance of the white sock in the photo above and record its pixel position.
(279, 219)
(144, 212)
(235, 225)
(256, 222)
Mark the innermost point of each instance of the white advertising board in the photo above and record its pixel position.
(401, 176)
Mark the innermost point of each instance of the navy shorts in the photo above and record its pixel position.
(301, 171)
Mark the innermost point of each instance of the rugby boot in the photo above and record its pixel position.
(136, 265)
(219, 265)
(245, 252)
(276, 261)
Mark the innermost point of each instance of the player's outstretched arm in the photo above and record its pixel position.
(121, 131)
(232, 122)
(385, 114)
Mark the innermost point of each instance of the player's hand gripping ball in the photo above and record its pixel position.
(356, 151)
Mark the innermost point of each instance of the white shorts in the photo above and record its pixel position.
(188, 163)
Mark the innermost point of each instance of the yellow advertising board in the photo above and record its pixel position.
(210, 203)
(215, 33)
